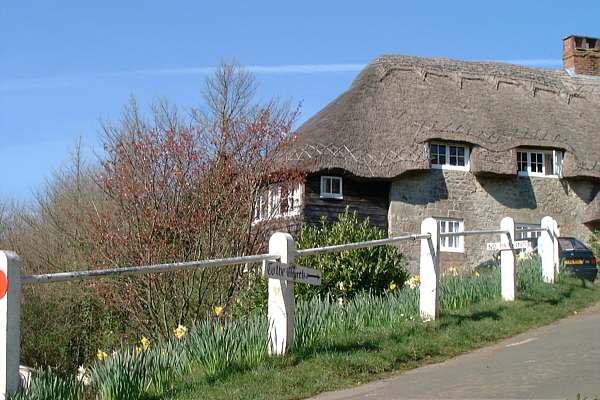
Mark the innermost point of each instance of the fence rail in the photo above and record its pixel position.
(359, 245)
(146, 269)
(473, 233)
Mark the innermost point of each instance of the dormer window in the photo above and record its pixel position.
(538, 162)
(331, 187)
(449, 156)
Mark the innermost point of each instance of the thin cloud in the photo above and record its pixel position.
(65, 81)
(257, 69)
(535, 62)
(57, 82)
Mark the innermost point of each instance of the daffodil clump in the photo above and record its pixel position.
(524, 256)
(100, 355)
(452, 270)
(180, 331)
(414, 282)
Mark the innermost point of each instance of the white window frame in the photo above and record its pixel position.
(296, 194)
(444, 226)
(447, 165)
(557, 163)
(268, 205)
(330, 195)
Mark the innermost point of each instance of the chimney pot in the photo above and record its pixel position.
(581, 55)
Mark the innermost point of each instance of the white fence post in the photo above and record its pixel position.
(10, 321)
(546, 250)
(507, 260)
(555, 236)
(429, 270)
(281, 304)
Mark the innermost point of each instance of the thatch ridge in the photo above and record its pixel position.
(380, 126)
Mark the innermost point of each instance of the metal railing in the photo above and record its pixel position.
(473, 233)
(147, 269)
(360, 245)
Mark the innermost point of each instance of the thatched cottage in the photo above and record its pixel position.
(465, 142)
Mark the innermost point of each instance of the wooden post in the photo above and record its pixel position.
(429, 270)
(10, 322)
(546, 250)
(281, 303)
(507, 260)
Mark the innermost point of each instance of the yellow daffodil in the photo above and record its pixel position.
(100, 355)
(218, 311)
(476, 273)
(138, 349)
(145, 342)
(414, 281)
(453, 270)
(180, 331)
(392, 286)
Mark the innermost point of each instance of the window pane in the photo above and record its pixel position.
(537, 162)
(433, 153)
(335, 186)
(549, 163)
(438, 154)
(453, 155)
(460, 156)
(442, 155)
(522, 161)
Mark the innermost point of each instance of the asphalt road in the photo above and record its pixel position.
(557, 361)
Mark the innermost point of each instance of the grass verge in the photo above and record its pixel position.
(357, 354)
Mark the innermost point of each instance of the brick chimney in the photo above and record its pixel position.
(581, 55)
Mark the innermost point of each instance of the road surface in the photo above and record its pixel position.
(557, 361)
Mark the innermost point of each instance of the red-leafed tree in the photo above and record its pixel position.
(180, 189)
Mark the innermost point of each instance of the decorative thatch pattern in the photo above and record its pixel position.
(380, 127)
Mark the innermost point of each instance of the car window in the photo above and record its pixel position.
(565, 244)
(577, 245)
(571, 244)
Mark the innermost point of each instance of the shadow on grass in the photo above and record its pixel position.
(553, 298)
(334, 348)
(457, 318)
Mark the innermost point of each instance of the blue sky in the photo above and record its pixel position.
(64, 65)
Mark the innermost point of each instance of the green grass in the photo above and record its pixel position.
(336, 345)
(374, 340)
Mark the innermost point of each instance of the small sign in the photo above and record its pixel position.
(296, 273)
(3, 284)
(517, 245)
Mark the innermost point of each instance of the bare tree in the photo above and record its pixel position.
(184, 190)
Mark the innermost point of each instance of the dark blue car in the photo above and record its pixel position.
(578, 258)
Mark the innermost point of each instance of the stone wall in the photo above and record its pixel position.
(482, 202)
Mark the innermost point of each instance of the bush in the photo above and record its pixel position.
(64, 324)
(595, 242)
(346, 273)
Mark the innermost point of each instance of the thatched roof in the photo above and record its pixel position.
(593, 211)
(380, 126)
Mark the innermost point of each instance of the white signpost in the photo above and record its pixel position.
(295, 273)
(517, 245)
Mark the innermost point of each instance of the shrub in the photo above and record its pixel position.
(595, 242)
(346, 273)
